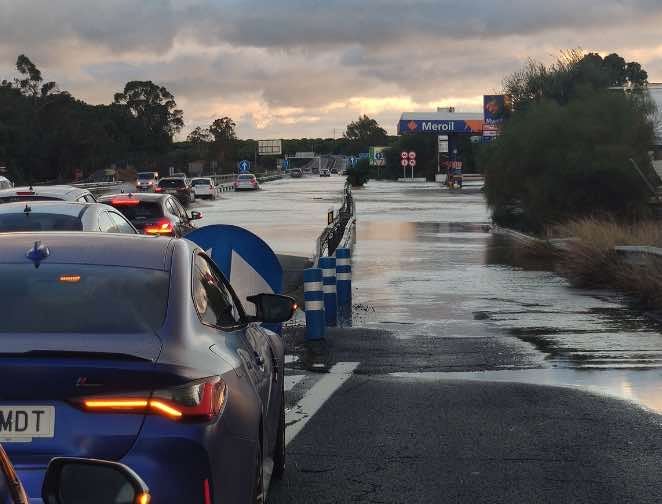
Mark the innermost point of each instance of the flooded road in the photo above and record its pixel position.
(289, 214)
(426, 266)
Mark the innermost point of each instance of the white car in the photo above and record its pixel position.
(204, 188)
(246, 181)
(5, 183)
(146, 181)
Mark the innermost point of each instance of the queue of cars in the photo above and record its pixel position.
(132, 355)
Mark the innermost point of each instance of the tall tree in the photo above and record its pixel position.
(223, 130)
(573, 74)
(155, 107)
(199, 135)
(365, 132)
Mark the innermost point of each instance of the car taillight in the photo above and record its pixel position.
(158, 189)
(124, 202)
(25, 193)
(200, 400)
(160, 227)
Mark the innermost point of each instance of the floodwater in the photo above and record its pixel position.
(289, 214)
(425, 264)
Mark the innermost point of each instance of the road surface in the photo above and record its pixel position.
(470, 376)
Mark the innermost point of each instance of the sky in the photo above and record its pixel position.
(305, 68)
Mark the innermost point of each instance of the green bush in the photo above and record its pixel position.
(357, 175)
(554, 163)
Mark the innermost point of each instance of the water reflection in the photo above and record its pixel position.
(426, 266)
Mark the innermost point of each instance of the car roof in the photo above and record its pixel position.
(138, 196)
(54, 190)
(100, 249)
(71, 208)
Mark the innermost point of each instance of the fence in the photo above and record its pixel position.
(333, 234)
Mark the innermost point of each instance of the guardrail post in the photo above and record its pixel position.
(313, 296)
(328, 266)
(344, 284)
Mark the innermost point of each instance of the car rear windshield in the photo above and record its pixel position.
(136, 213)
(59, 298)
(246, 177)
(200, 181)
(172, 183)
(39, 222)
(146, 176)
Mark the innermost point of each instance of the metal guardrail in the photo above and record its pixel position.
(227, 179)
(331, 237)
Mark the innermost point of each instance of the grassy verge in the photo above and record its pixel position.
(589, 260)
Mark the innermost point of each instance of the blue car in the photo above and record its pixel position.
(136, 349)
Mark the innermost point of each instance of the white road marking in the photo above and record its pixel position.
(289, 359)
(292, 380)
(298, 416)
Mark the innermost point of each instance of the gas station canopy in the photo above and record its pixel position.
(441, 122)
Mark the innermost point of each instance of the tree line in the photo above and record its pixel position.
(46, 134)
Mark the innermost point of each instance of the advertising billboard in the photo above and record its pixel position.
(497, 109)
(377, 156)
(270, 147)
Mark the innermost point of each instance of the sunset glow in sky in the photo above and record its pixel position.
(291, 68)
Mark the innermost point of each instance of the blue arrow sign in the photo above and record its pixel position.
(244, 166)
(245, 259)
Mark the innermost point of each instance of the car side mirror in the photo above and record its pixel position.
(76, 480)
(196, 215)
(273, 308)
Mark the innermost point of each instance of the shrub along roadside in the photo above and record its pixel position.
(554, 163)
(590, 261)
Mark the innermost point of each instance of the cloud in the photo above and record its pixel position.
(307, 67)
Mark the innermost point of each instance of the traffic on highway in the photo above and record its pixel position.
(257, 252)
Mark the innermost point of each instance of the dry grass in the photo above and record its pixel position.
(607, 234)
(591, 262)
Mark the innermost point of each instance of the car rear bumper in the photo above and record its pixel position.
(175, 470)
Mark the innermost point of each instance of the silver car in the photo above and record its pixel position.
(62, 216)
(246, 182)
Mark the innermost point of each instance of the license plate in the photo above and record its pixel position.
(171, 191)
(22, 423)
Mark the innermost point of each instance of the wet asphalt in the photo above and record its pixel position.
(482, 378)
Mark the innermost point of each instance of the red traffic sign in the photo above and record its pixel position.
(404, 162)
(403, 155)
(412, 155)
(412, 162)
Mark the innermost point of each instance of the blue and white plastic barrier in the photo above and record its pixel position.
(313, 295)
(328, 267)
(344, 284)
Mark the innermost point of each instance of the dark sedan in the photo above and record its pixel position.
(155, 214)
(178, 187)
(141, 354)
